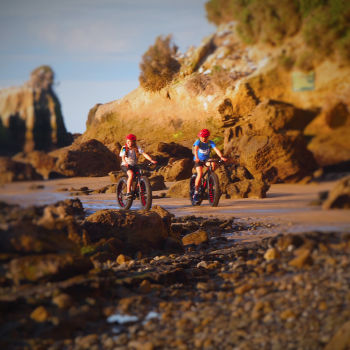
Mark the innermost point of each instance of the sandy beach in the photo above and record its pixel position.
(287, 208)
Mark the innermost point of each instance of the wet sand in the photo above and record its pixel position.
(287, 207)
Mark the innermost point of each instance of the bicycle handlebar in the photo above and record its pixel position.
(146, 166)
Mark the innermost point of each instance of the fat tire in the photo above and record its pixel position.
(123, 203)
(145, 193)
(214, 192)
(191, 191)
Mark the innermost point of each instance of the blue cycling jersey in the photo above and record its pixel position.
(204, 149)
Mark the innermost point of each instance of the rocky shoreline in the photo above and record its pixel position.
(189, 286)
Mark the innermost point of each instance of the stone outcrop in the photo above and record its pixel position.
(235, 182)
(11, 170)
(90, 158)
(44, 163)
(339, 196)
(55, 242)
(31, 117)
(133, 230)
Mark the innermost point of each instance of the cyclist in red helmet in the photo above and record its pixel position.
(201, 149)
(129, 154)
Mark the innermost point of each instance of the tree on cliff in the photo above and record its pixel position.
(158, 65)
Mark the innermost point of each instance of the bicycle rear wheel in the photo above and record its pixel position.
(213, 190)
(121, 192)
(145, 193)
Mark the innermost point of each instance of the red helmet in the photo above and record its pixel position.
(204, 133)
(131, 137)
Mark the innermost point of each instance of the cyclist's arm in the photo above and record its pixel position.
(195, 151)
(148, 157)
(123, 156)
(218, 152)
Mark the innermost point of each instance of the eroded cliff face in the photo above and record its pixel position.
(282, 122)
(31, 117)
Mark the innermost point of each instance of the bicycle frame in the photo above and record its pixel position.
(209, 169)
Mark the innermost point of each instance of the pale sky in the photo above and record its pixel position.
(93, 46)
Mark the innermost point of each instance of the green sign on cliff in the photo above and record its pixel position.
(303, 81)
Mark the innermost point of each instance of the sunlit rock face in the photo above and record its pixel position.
(31, 117)
(283, 123)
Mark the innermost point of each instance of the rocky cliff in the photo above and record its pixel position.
(282, 121)
(31, 117)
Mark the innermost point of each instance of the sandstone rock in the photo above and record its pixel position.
(339, 196)
(90, 158)
(248, 189)
(11, 171)
(116, 175)
(165, 215)
(48, 266)
(157, 182)
(40, 314)
(137, 231)
(277, 116)
(27, 238)
(276, 158)
(341, 339)
(196, 238)
(56, 215)
(43, 163)
(42, 229)
(175, 150)
(331, 148)
(302, 259)
(63, 300)
(271, 254)
(122, 259)
(31, 117)
(178, 170)
(180, 189)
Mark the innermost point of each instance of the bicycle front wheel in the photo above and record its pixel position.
(213, 190)
(121, 192)
(145, 193)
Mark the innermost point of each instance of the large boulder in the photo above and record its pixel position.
(179, 189)
(42, 243)
(11, 170)
(278, 157)
(135, 231)
(330, 131)
(89, 158)
(174, 150)
(331, 148)
(237, 182)
(42, 224)
(177, 170)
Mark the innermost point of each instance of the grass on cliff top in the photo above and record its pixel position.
(324, 24)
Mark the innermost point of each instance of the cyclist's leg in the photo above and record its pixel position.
(199, 169)
(130, 174)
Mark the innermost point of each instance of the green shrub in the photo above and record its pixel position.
(158, 65)
(325, 24)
